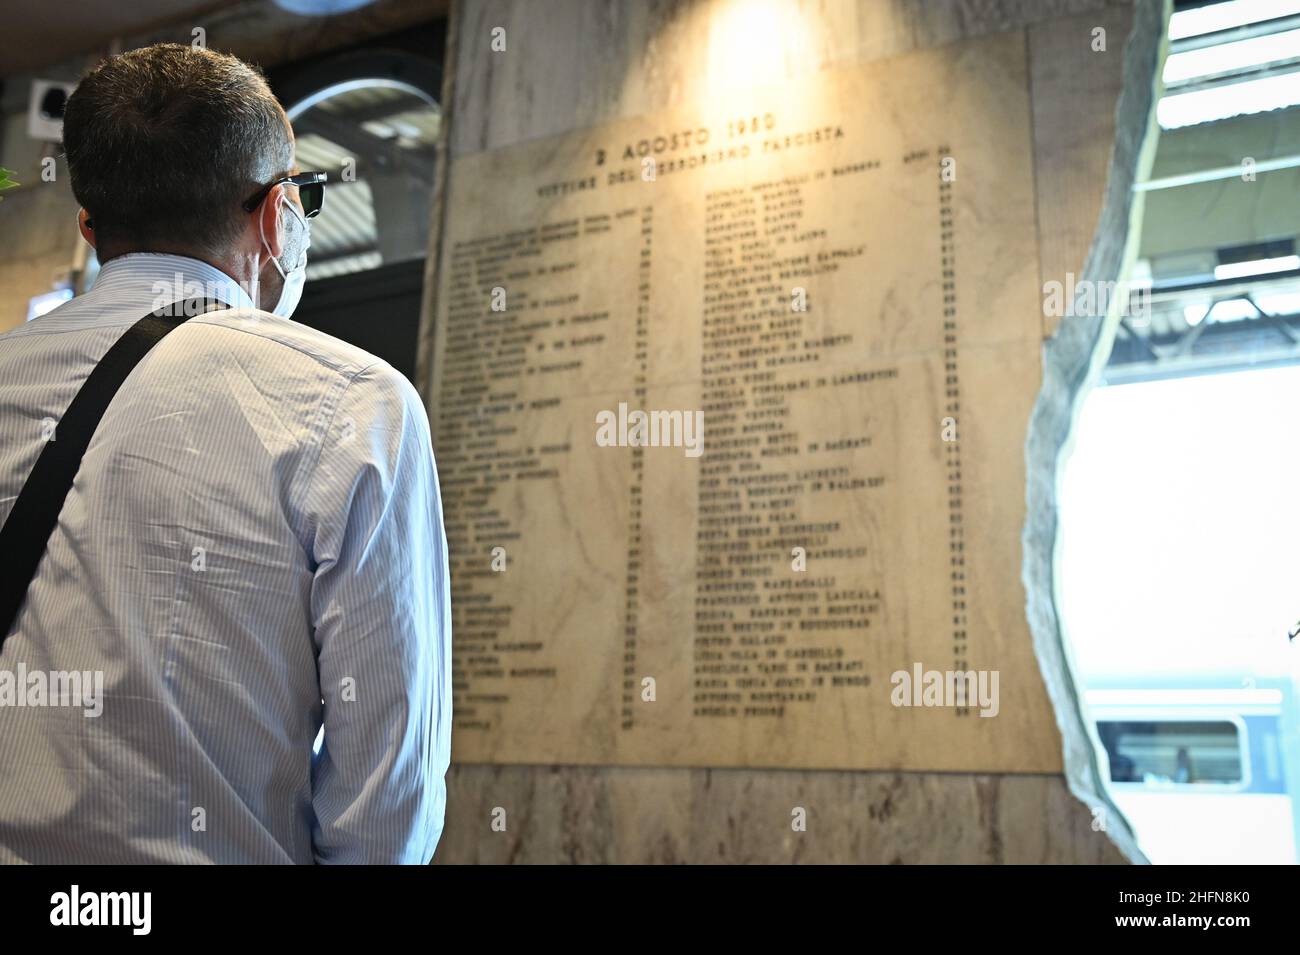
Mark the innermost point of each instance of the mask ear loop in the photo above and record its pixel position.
(257, 281)
(261, 231)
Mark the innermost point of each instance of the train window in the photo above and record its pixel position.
(1180, 752)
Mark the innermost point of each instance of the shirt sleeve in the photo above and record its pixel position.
(380, 605)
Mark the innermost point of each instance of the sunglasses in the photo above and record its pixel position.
(311, 190)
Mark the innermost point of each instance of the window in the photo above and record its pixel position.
(369, 118)
(1173, 752)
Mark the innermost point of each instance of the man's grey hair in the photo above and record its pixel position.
(165, 143)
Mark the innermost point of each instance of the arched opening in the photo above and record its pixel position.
(377, 138)
(371, 119)
(1177, 567)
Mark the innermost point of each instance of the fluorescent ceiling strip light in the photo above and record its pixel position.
(1231, 99)
(1241, 270)
(1232, 57)
(1225, 16)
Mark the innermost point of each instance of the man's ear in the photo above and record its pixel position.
(86, 227)
(269, 215)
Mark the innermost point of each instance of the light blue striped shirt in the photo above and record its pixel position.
(253, 548)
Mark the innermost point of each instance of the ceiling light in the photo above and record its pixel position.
(1238, 270)
(1224, 16)
(1234, 99)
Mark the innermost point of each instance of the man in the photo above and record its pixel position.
(253, 546)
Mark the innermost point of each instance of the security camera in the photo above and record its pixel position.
(45, 109)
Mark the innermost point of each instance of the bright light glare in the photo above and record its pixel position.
(1237, 270)
(1256, 697)
(1224, 16)
(1239, 309)
(756, 43)
(1232, 99)
(1234, 310)
(48, 302)
(1232, 57)
(1283, 303)
(1179, 521)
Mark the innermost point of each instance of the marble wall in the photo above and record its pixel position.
(566, 814)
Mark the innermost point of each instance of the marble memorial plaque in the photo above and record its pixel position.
(729, 412)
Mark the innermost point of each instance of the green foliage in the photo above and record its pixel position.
(5, 181)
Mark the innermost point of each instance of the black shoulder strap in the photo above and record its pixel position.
(26, 532)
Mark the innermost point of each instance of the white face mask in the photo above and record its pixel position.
(294, 277)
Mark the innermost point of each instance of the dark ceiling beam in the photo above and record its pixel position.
(41, 35)
(357, 141)
(1209, 347)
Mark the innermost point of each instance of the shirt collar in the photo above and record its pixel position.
(170, 278)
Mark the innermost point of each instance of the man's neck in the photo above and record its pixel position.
(238, 269)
